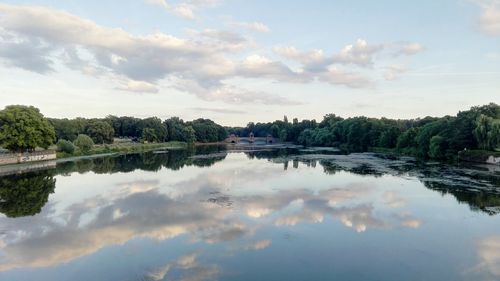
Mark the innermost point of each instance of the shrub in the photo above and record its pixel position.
(84, 142)
(65, 146)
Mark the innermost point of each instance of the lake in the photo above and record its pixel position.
(250, 214)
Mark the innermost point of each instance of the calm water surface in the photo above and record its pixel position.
(283, 214)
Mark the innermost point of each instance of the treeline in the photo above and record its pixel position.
(24, 128)
(151, 129)
(429, 137)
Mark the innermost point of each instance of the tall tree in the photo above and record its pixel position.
(24, 128)
(100, 131)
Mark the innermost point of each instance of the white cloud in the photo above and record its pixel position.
(138, 58)
(199, 64)
(254, 26)
(231, 94)
(350, 79)
(226, 36)
(218, 110)
(139, 87)
(489, 21)
(27, 53)
(303, 57)
(394, 71)
(409, 49)
(360, 53)
(184, 10)
(160, 3)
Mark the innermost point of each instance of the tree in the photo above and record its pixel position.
(149, 135)
(154, 123)
(175, 127)
(24, 128)
(84, 142)
(407, 139)
(66, 129)
(189, 134)
(494, 134)
(437, 147)
(481, 132)
(275, 131)
(389, 137)
(65, 146)
(100, 132)
(283, 135)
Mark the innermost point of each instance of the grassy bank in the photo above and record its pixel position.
(123, 148)
(479, 156)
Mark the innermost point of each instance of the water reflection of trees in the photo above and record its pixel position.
(149, 161)
(478, 187)
(477, 200)
(25, 195)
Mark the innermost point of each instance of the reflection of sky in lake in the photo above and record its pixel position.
(242, 219)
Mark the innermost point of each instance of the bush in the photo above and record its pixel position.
(84, 142)
(65, 146)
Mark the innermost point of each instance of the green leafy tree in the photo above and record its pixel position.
(389, 137)
(100, 132)
(154, 123)
(207, 130)
(494, 134)
(407, 139)
(149, 135)
(84, 142)
(189, 135)
(24, 128)
(283, 135)
(66, 129)
(65, 146)
(482, 132)
(275, 131)
(437, 147)
(175, 128)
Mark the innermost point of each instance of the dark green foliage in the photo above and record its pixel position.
(207, 130)
(437, 147)
(189, 134)
(431, 137)
(149, 135)
(84, 142)
(389, 137)
(175, 127)
(65, 146)
(477, 128)
(25, 195)
(67, 129)
(155, 127)
(100, 131)
(24, 128)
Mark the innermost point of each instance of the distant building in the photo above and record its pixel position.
(269, 138)
(233, 138)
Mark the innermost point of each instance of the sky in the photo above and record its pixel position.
(236, 61)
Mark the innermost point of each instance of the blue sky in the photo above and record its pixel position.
(239, 61)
